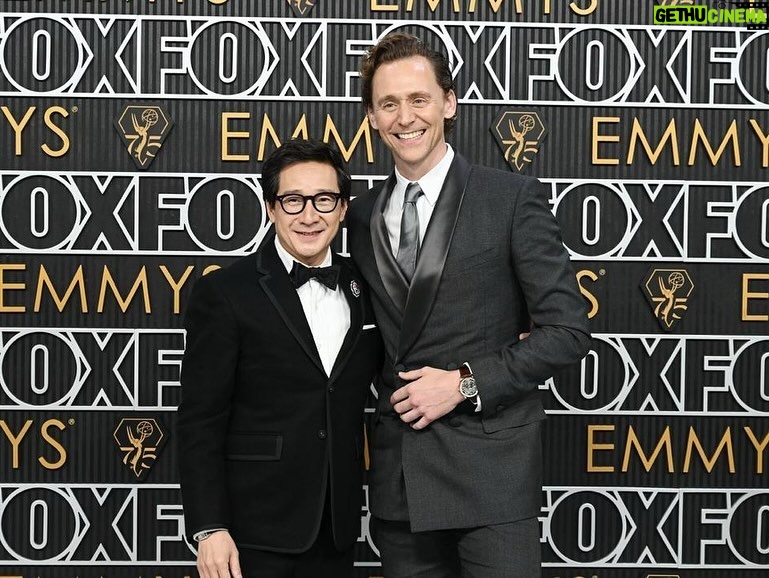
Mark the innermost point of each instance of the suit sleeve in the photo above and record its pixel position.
(208, 373)
(559, 326)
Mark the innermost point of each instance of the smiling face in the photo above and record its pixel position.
(307, 235)
(408, 109)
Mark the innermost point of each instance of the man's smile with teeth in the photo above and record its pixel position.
(410, 135)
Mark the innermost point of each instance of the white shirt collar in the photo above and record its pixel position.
(432, 182)
(288, 259)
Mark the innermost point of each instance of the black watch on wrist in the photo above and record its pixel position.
(467, 386)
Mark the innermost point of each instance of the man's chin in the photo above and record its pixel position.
(309, 253)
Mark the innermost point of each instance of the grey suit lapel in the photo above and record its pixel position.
(432, 255)
(282, 293)
(392, 277)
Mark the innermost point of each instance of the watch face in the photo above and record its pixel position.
(467, 387)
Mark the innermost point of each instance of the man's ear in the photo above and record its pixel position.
(371, 118)
(450, 109)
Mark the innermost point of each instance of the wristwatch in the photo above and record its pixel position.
(467, 385)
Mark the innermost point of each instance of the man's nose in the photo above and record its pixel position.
(405, 114)
(309, 214)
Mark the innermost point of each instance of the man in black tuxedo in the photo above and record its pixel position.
(281, 350)
(460, 259)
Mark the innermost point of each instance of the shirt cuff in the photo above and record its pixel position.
(203, 534)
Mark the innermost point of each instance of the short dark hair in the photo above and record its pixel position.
(302, 151)
(397, 46)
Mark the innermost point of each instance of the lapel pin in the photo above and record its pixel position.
(355, 288)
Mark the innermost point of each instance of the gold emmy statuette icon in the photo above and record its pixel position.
(519, 134)
(149, 118)
(144, 429)
(143, 130)
(140, 440)
(668, 291)
(517, 140)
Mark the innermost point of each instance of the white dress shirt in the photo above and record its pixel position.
(431, 185)
(326, 310)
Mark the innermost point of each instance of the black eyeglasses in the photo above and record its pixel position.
(323, 202)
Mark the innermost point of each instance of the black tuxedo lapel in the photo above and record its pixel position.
(432, 255)
(282, 293)
(352, 288)
(392, 277)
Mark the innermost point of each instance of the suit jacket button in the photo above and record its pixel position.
(400, 367)
(322, 434)
(455, 422)
(331, 389)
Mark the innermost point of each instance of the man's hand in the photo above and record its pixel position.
(218, 556)
(431, 394)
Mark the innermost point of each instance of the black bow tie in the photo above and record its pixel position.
(329, 276)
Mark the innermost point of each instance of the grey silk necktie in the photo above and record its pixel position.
(408, 248)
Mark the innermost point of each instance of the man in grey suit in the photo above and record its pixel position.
(460, 260)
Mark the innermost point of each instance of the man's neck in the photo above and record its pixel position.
(437, 171)
(411, 174)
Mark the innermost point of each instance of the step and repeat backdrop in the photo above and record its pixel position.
(132, 134)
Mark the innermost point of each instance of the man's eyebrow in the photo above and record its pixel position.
(299, 192)
(411, 95)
